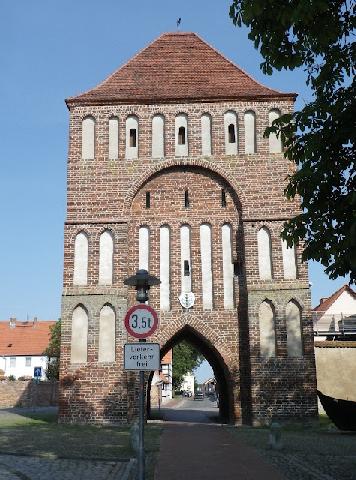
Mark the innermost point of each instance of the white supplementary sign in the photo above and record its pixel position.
(187, 299)
(142, 356)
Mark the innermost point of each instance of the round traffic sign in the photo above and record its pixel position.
(141, 321)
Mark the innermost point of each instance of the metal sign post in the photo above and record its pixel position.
(140, 322)
(141, 425)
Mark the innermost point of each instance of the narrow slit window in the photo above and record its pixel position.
(223, 198)
(181, 136)
(186, 268)
(148, 199)
(232, 136)
(133, 137)
(186, 199)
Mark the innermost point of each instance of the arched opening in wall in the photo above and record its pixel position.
(203, 397)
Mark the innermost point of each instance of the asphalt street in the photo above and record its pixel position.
(192, 411)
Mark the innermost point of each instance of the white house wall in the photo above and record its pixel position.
(20, 368)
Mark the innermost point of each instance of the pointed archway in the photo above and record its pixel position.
(221, 372)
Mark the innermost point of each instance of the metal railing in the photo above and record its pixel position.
(334, 324)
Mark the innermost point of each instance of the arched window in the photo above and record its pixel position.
(185, 258)
(181, 135)
(144, 248)
(275, 143)
(294, 330)
(79, 338)
(106, 252)
(88, 138)
(206, 135)
(158, 136)
(230, 125)
(228, 267)
(267, 330)
(206, 267)
(164, 268)
(113, 138)
(80, 274)
(132, 137)
(250, 132)
(264, 254)
(289, 261)
(107, 334)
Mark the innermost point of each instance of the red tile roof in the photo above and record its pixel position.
(167, 358)
(327, 302)
(177, 67)
(26, 338)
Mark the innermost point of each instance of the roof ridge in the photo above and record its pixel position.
(177, 33)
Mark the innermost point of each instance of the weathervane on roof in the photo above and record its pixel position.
(179, 22)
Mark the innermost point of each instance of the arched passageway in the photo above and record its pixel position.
(221, 372)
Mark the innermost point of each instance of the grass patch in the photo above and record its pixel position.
(38, 434)
(27, 418)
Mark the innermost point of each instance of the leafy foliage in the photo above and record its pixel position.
(317, 35)
(53, 352)
(185, 359)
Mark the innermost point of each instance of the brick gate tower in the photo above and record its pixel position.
(168, 170)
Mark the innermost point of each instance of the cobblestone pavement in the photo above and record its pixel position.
(16, 467)
(307, 455)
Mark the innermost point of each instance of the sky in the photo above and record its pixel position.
(50, 50)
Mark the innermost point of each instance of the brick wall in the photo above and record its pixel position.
(105, 193)
(28, 394)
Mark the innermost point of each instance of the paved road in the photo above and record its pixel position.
(190, 410)
(208, 452)
(195, 446)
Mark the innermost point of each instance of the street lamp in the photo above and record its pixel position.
(142, 281)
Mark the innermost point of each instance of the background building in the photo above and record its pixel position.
(22, 345)
(335, 344)
(188, 383)
(335, 316)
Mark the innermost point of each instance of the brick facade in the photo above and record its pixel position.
(110, 194)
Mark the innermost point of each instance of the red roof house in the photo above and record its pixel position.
(22, 345)
(336, 314)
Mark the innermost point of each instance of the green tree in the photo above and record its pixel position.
(185, 359)
(53, 352)
(317, 35)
